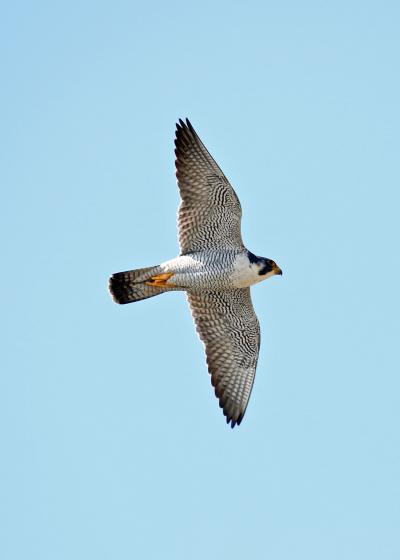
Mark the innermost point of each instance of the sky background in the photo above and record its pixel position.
(112, 443)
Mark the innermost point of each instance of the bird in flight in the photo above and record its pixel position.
(215, 270)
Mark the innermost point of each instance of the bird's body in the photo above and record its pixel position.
(212, 270)
(203, 270)
(215, 270)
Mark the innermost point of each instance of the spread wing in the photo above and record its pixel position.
(229, 328)
(210, 213)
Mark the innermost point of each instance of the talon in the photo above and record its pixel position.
(159, 279)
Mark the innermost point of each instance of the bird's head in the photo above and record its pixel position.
(266, 267)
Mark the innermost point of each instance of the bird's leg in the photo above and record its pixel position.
(159, 279)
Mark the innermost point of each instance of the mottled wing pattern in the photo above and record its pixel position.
(210, 213)
(228, 326)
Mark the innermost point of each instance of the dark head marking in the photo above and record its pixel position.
(269, 266)
(252, 258)
(266, 265)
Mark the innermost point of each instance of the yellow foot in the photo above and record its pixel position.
(159, 279)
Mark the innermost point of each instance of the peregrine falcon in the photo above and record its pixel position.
(215, 270)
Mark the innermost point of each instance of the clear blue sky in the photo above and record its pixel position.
(112, 443)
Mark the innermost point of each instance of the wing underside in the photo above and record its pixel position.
(209, 214)
(229, 328)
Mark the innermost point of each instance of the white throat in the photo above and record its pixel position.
(245, 274)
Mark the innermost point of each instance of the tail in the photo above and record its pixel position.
(134, 285)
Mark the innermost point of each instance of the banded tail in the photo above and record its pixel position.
(135, 285)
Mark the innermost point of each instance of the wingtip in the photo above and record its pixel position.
(232, 421)
(235, 422)
(184, 124)
(184, 134)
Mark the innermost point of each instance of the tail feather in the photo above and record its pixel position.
(129, 286)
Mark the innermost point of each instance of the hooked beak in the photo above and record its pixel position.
(277, 270)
